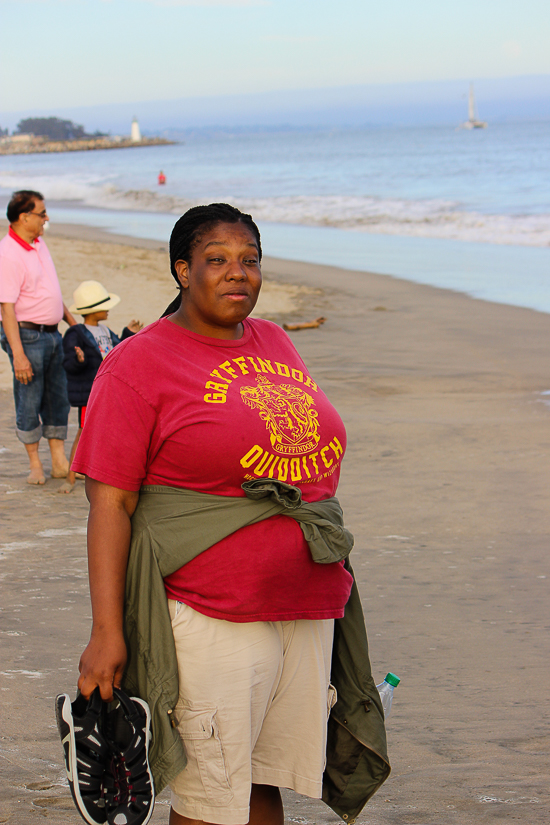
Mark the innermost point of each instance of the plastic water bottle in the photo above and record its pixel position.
(386, 691)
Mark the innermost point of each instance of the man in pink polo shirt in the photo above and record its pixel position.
(31, 307)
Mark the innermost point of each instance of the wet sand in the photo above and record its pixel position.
(446, 486)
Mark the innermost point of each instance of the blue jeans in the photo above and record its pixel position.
(42, 406)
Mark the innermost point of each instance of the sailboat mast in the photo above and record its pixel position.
(472, 122)
(471, 105)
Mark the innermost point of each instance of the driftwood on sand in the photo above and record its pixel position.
(305, 324)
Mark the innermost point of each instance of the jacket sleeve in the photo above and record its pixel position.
(126, 333)
(71, 363)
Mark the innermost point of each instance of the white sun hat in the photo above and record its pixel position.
(91, 296)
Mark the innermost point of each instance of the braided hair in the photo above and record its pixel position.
(192, 226)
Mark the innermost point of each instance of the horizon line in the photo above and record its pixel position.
(287, 91)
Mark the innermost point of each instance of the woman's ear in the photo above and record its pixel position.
(182, 271)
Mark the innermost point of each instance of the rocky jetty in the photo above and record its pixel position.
(36, 145)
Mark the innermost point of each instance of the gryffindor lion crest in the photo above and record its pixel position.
(288, 414)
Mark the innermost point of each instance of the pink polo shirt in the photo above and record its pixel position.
(28, 279)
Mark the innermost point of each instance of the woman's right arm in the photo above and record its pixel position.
(109, 533)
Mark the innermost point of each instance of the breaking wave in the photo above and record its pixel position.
(389, 216)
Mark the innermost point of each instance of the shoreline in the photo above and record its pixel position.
(87, 232)
(505, 274)
(445, 486)
(138, 270)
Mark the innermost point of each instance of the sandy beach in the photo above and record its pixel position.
(446, 487)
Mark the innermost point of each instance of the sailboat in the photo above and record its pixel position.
(473, 122)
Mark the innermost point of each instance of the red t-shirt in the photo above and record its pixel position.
(175, 408)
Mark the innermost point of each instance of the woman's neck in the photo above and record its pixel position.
(231, 333)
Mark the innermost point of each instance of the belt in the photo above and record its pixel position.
(38, 327)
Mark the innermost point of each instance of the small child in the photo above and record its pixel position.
(85, 346)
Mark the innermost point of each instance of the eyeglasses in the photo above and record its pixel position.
(43, 214)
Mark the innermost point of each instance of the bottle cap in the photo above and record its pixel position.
(392, 679)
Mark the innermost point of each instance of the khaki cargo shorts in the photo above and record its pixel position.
(254, 703)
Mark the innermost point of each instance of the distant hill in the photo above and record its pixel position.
(407, 104)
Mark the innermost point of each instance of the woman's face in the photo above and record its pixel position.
(220, 285)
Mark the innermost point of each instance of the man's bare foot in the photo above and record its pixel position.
(36, 470)
(36, 476)
(60, 465)
(66, 487)
(60, 471)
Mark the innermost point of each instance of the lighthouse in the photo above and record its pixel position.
(135, 134)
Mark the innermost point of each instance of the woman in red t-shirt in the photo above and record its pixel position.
(205, 399)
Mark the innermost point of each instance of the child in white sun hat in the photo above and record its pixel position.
(85, 346)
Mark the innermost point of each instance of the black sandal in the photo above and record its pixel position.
(129, 788)
(86, 751)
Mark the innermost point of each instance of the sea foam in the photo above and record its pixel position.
(428, 218)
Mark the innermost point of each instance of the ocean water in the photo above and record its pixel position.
(467, 210)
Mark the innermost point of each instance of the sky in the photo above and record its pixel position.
(66, 53)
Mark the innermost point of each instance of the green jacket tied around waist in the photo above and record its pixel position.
(170, 527)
